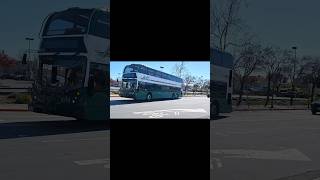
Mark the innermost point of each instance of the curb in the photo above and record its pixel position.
(17, 110)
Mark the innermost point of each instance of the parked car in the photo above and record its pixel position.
(19, 77)
(315, 107)
(7, 76)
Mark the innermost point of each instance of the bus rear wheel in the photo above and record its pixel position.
(215, 109)
(149, 97)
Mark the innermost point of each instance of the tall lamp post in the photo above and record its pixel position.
(29, 55)
(118, 78)
(29, 48)
(294, 73)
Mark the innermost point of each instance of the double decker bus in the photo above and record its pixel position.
(221, 82)
(73, 68)
(143, 83)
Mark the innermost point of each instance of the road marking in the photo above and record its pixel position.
(221, 134)
(217, 162)
(162, 113)
(287, 154)
(105, 161)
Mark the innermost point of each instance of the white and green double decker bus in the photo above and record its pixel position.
(73, 69)
(143, 83)
(221, 82)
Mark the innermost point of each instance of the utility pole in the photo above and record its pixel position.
(293, 75)
(29, 56)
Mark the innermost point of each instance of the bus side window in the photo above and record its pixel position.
(100, 25)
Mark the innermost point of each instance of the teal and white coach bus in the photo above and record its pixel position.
(143, 83)
(221, 82)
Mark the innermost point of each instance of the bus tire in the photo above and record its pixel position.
(149, 97)
(215, 109)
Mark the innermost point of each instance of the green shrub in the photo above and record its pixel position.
(23, 98)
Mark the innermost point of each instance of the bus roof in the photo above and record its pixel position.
(155, 70)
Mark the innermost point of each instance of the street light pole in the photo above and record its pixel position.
(29, 49)
(29, 54)
(293, 75)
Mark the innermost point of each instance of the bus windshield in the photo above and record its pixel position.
(73, 21)
(129, 83)
(69, 75)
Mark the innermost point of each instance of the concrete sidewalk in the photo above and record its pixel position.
(13, 107)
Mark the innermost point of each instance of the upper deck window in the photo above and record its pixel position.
(69, 22)
(100, 25)
(128, 69)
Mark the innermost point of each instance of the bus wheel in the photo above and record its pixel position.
(215, 109)
(149, 97)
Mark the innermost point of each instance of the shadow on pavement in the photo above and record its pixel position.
(308, 175)
(218, 118)
(44, 128)
(123, 102)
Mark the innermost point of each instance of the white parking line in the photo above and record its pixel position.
(217, 161)
(104, 161)
(286, 154)
(162, 113)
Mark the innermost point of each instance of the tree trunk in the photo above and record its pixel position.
(241, 91)
(272, 95)
(268, 90)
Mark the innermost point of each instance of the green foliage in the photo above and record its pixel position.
(22, 98)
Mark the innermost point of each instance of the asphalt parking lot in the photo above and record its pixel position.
(265, 145)
(185, 107)
(38, 146)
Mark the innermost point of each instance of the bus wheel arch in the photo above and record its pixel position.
(215, 108)
(173, 96)
(149, 96)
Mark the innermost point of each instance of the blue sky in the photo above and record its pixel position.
(285, 23)
(196, 68)
(20, 19)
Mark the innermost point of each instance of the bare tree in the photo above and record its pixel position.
(188, 79)
(180, 69)
(294, 68)
(272, 61)
(225, 23)
(311, 73)
(247, 62)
